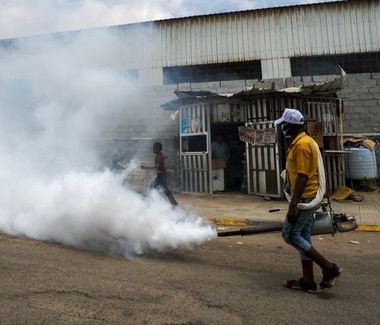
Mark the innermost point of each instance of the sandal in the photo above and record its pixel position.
(330, 276)
(301, 285)
(292, 284)
(310, 288)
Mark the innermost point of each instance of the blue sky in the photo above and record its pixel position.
(32, 17)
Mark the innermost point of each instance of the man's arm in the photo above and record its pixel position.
(299, 188)
(148, 167)
(156, 165)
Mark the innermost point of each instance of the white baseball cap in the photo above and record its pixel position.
(291, 116)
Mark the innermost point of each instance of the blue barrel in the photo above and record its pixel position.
(360, 163)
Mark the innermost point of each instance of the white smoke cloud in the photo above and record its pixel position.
(24, 17)
(93, 211)
(57, 100)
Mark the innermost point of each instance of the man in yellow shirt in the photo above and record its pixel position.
(302, 169)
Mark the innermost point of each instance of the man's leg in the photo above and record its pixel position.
(314, 255)
(161, 180)
(154, 183)
(307, 263)
(170, 196)
(330, 271)
(299, 236)
(308, 271)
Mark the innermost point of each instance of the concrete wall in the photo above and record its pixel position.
(361, 97)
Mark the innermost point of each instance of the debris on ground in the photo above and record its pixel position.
(355, 196)
(341, 193)
(354, 242)
(373, 188)
(224, 228)
(344, 194)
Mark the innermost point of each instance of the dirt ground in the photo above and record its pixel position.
(231, 280)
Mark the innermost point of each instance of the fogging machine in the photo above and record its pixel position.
(325, 222)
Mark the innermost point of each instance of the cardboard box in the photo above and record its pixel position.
(314, 129)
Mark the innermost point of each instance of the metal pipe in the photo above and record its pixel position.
(361, 134)
(251, 231)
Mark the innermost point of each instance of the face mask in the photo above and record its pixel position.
(284, 129)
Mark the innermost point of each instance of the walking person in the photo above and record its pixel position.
(161, 179)
(303, 160)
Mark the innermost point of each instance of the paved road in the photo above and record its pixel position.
(235, 280)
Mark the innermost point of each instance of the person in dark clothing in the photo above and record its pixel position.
(161, 179)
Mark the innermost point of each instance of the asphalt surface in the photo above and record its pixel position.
(233, 280)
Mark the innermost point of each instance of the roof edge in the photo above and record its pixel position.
(159, 21)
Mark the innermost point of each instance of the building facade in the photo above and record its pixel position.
(225, 53)
(290, 45)
(293, 45)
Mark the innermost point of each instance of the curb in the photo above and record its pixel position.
(229, 222)
(248, 222)
(368, 228)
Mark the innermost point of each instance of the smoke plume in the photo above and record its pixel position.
(58, 97)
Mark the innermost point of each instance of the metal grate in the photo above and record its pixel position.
(195, 166)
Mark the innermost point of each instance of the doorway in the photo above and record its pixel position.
(235, 171)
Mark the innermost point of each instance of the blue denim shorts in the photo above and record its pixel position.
(299, 235)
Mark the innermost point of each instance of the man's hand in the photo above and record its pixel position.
(292, 214)
(299, 188)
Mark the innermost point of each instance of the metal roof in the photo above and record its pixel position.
(323, 89)
(234, 12)
(248, 10)
(189, 17)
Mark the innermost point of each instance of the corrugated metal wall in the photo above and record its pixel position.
(276, 33)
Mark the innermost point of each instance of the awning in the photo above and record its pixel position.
(323, 89)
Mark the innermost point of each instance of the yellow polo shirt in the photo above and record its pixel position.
(302, 158)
